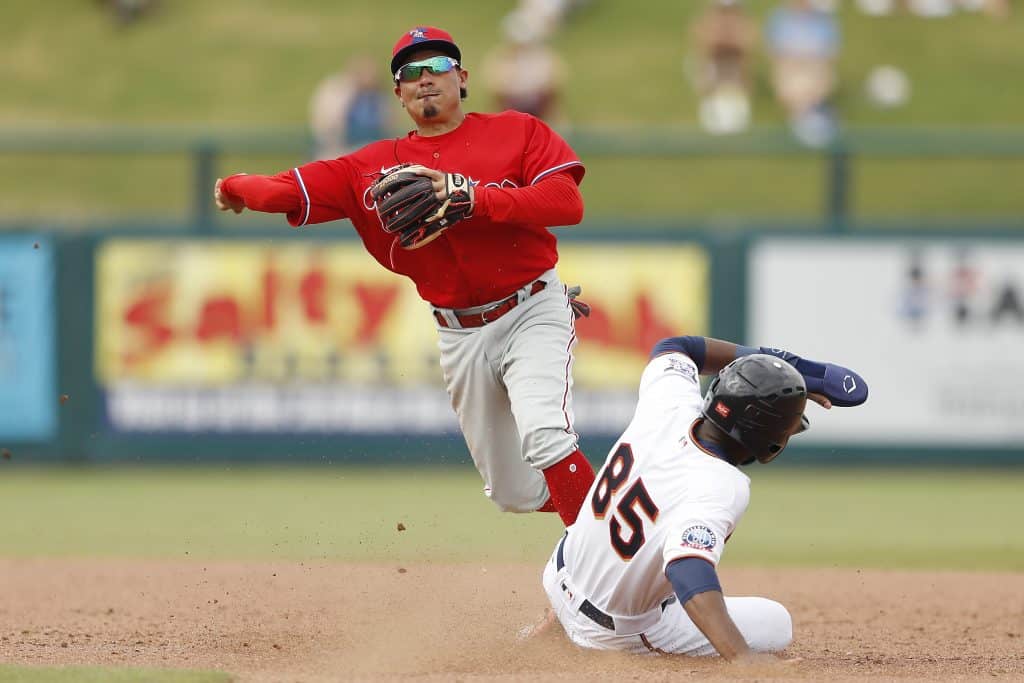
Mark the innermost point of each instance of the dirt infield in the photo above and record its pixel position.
(332, 621)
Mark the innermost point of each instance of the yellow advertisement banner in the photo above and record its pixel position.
(220, 313)
(638, 294)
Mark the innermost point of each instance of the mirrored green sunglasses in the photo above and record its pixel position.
(435, 65)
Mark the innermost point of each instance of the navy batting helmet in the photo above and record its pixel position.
(758, 400)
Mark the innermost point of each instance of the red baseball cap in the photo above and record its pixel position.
(423, 38)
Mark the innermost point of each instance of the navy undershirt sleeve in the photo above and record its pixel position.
(690, 576)
(694, 347)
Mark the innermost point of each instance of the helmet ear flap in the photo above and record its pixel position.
(773, 451)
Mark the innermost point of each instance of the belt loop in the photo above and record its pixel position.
(529, 289)
(523, 293)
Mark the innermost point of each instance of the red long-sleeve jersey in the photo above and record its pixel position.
(526, 180)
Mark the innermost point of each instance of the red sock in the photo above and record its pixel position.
(568, 482)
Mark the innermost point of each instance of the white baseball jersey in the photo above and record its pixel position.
(659, 497)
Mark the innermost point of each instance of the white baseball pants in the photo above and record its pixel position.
(510, 383)
(765, 624)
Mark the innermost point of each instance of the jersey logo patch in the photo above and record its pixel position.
(682, 368)
(699, 537)
(505, 182)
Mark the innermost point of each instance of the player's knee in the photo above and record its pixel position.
(547, 446)
(509, 500)
(774, 628)
(514, 506)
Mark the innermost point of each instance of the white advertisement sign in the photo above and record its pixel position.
(935, 327)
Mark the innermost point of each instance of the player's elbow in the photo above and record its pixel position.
(692, 576)
(570, 212)
(694, 347)
(571, 200)
(575, 208)
(573, 216)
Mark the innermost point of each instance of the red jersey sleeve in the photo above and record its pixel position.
(546, 153)
(315, 193)
(271, 194)
(555, 200)
(326, 192)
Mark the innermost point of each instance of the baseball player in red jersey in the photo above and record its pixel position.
(505, 321)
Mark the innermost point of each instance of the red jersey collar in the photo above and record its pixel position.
(416, 138)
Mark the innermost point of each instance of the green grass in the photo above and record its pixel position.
(915, 518)
(918, 518)
(88, 674)
(242, 512)
(254, 63)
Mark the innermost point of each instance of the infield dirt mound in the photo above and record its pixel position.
(326, 621)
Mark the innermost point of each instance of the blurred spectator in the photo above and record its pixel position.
(963, 286)
(723, 42)
(349, 109)
(524, 73)
(803, 43)
(887, 86)
(931, 8)
(916, 294)
(876, 8)
(549, 15)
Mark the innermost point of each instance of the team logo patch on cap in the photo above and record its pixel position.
(418, 34)
(722, 409)
(699, 537)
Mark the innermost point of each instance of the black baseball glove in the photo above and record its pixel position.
(408, 206)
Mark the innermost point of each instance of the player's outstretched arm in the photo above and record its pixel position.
(272, 194)
(840, 385)
(826, 382)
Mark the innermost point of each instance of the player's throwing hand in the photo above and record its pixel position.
(224, 201)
